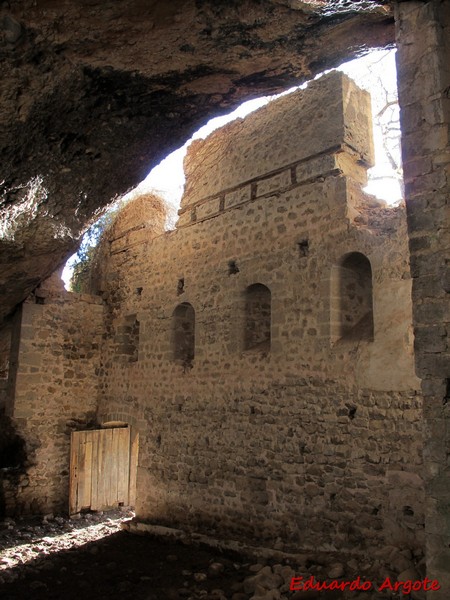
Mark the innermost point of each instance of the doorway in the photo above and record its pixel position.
(103, 466)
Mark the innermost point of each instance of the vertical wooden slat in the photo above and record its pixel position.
(134, 454)
(88, 442)
(115, 452)
(106, 467)
(94, 473)
(81, 487)
(103, 475)
(98, 468)
(73, 477)
(123, 466)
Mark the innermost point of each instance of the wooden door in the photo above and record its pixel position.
(99, 469)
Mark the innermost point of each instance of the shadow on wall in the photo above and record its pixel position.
(352, 299)
(12, 457)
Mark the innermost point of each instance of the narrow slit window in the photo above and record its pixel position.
(258, 307)
(183, 333)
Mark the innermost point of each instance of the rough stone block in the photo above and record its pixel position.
(239, 196)
(273, 184)
(431, 339)
(208, 209)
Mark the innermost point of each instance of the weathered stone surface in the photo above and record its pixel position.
(336, 571)
(264, 594)
(55, 388)
(239, 596)
(423, 38)
(285, 440)
(30, 55)
(305, 595)
(255, 568)
(215, 569)
(298, 441)
(212, 167)
(94, 95)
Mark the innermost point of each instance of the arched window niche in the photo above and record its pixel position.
(183, 334)
(258, 307)
(352, 299)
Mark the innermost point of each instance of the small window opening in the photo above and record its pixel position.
(303, 248)
(180, 286)
(233, 269)
(183, 334)
(352, 299)
(257, 318)
(139, 291)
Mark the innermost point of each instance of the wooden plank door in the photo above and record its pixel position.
(99, 469)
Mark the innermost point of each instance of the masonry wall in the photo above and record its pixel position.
(423, 37)
(54, 371)
(294, 144)
(314, 440)
(5, 346)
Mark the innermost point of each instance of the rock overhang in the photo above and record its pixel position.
(95, 94)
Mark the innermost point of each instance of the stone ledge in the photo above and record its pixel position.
(340, 160)
(162, 532)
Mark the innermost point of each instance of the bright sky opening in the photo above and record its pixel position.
(374, 72)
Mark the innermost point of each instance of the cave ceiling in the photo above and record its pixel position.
(94, 94)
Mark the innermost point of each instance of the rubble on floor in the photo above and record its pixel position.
(91, 557)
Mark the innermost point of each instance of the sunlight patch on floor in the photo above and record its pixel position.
(43, 542)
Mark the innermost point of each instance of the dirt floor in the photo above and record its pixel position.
(93, 558)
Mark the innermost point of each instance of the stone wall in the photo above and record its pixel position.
(320, 427)
(423, 36)
(262, 351)
(53, 391)
(5, 345)
(269, 151)
(308, 436)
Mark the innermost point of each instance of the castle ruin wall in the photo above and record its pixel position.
(53, 390)
(309, 435)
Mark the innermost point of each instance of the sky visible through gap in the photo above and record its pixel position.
(374, 72)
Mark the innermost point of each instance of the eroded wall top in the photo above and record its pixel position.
(332, 114)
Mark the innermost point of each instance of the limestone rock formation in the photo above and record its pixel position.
(95, 93)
